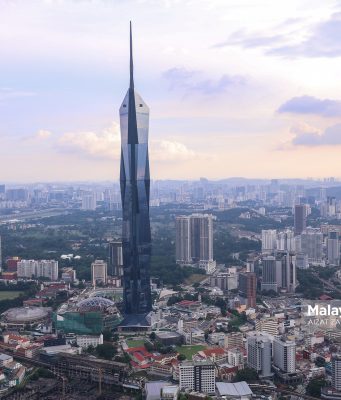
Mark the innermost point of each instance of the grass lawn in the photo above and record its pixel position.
(135, 343)
(195, 278)
(189, 351)
(10, 294)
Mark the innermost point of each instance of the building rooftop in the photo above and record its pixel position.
(237, 389)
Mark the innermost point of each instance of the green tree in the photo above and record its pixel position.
(106, 351)
(314, 387)
(247, 374)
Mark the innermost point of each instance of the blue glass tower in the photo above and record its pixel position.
(135, 187)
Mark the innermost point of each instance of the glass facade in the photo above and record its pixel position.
(135, 187)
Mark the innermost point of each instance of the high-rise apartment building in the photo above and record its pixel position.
(271, 274)
(286, 240)
(248, 288)
(38, 269)
(135, 192)
(336, 372)
(99, 272)
(183, 240)
(197, 376)
(194, 241)
(116, 258)
(284, 355)
(300, 218)
(269, 238)
(279, 272)
(259, 350)
(312, 245)
(89, 202)
(333, 248)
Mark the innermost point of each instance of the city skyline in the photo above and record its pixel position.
(236, 89)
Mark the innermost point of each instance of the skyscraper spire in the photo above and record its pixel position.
(131, 86)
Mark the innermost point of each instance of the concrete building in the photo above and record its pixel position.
(38, 269)
(115, 258)
(284, 355)
(89, 202)
(336, 372)
(312, 245)
(84, 341)
(269, 238)
(233, 339)
(99, 272)
(272, 274)
(248, 288)
(225, 280)
(259, 349)
(286, 241)
(235, 357)
(267, 325)
(333, 248)
(300, 218)
(194, 241)
(197, 376)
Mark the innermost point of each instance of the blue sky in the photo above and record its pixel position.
(235, 88)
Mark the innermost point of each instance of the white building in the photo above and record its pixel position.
(89, 201)
(286, 240)
(235, 357)
(38, 269)
(284, 355)
(194, 241)
(269, 237)
(99, 273)
(197, 376)
(259, 349)
(84, 341)
(312, 245)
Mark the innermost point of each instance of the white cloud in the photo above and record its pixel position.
(167, 150)
(106, 145)
(43, 134)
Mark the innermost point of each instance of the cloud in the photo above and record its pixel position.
(191, 82)
(10, 93)
(330, 137)
(241, 38)
(323, 41)
(107, 145)
(320, 40)
(41, 135)
(166, 150)
(312, 105)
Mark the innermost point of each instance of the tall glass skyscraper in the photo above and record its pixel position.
(135, 188)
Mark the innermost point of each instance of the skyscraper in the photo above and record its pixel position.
(269, 237)
(248, 288)
(135, 188)
(194, 241)
(300, 218)
(116, 258)
(336, 372)
(333, 248)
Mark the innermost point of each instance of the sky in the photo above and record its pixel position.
(235, 87)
